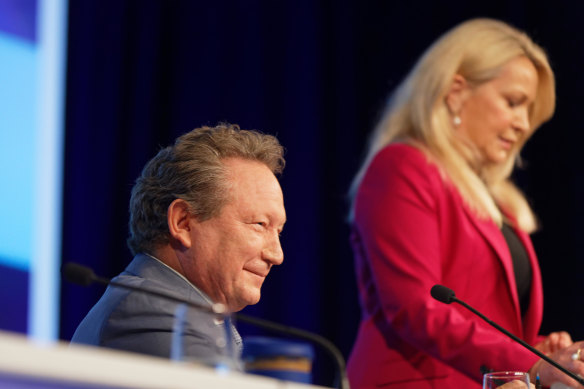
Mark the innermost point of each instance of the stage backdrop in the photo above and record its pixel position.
(18, 58)
(31, 127)
(315, 74)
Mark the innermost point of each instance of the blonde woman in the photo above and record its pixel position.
(433, 204)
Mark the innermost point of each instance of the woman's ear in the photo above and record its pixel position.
(457, 94)
(179, 222)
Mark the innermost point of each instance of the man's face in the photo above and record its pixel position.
(232, 253)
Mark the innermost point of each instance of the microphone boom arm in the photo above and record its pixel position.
(577, 377)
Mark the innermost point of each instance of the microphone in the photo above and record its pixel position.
(447, 296)
(442, 294)
(84, 276)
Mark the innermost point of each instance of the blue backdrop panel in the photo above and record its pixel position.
(18, 66)
(13, 299)
(18, 17)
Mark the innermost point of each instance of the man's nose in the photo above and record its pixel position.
(273, 251)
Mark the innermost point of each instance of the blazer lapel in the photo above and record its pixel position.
(494, 237)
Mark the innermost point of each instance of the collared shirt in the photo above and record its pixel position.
(236, 336)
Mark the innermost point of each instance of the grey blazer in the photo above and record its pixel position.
(142, 323)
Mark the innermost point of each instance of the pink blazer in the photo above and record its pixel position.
(412, 231)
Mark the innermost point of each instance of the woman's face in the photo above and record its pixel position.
(495, 114)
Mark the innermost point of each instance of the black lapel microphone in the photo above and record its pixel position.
(447, 296)
(84, 276)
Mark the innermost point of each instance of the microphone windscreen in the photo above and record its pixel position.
(78, 274)
(442, 293)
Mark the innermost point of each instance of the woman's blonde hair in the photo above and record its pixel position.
(417, 114)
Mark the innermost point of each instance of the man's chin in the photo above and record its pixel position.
(253, 300)
(248, 299)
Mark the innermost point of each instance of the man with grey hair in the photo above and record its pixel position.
(205, 219)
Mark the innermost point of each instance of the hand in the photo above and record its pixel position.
(549, 374)
(554, 342)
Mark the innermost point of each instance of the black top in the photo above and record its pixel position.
(521, 266)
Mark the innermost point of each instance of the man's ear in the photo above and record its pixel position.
(179, 222)
(457, 94)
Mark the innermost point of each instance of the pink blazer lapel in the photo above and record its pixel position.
(494, 237)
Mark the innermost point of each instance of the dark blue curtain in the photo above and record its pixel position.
(315, 74)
